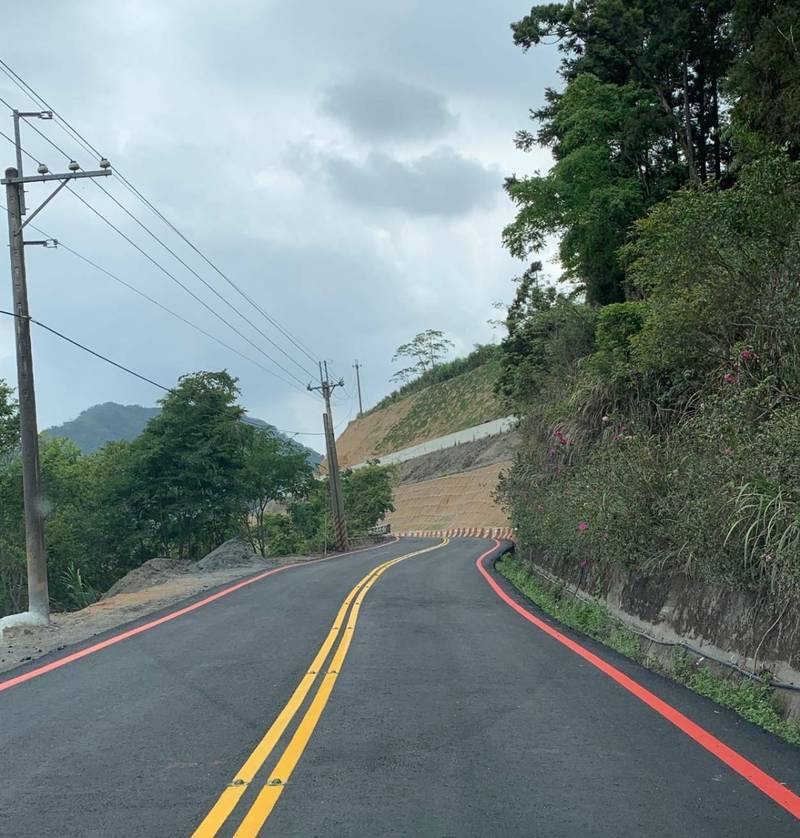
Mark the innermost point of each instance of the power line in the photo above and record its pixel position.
(150, 299)
(176, 256)
(138, 375)
(170, 250)
(86, 145)
(189, 291)
(38, 101)
(90, 351)
(13, 142)
(205, 282)
(295, 341)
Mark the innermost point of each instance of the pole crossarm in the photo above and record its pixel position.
(62, 176)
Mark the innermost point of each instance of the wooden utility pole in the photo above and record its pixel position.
(357, 367)
(38, 597)
(326, 387)
(15, 182)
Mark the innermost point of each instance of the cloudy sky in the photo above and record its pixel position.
(341, 162)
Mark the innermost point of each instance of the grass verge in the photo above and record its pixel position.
(752, 700)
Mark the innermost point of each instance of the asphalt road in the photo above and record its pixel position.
(439, 711)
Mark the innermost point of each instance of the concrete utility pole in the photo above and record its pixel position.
(334, 478)
(357, 367)
(38, 597)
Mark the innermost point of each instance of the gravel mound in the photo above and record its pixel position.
(233, 553)
(152, 572)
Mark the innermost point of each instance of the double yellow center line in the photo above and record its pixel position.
(268, 796)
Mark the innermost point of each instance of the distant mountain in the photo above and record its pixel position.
(111, 422)
(107, 422)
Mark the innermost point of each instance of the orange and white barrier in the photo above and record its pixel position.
(506, 533)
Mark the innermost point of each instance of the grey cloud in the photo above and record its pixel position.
(380, 108)
(440, 183)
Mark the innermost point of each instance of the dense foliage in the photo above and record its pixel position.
(197, 475)
(659, 394)
(648, 90)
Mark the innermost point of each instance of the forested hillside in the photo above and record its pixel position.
(103, 423)
(659, 385)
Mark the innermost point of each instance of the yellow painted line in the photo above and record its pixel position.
(229, 798)
(268, 796)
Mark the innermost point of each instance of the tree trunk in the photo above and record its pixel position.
(702, 124)
(687, 126)
(715, 120)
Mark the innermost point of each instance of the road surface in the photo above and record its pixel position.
(420, 704)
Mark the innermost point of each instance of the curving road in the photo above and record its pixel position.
(379, 693)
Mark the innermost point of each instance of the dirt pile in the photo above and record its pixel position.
(233, 553)
(152, 572)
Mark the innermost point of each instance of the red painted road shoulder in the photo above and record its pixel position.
(752, 773)
(148, 626)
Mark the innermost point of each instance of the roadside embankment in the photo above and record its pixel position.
(448, 443)
(462, 402)
(731, 632)
(458, 500)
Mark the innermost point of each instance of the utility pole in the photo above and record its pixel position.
(38, 596)
(326, 387)
(357, 367)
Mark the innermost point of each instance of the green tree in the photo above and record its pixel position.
(639, 117)
(9, 421)
(548, 332)
(368, 496)
(187, 490)
(275, 472)
(765, 79)
(427, 350)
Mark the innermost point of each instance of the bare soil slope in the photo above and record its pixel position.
(458, 500)
(452, 405)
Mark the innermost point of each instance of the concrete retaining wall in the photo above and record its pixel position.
(496, 426)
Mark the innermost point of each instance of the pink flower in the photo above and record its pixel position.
(582, 526)
(748, 355)
(729, 378)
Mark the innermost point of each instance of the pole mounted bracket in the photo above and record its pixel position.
(42, 243)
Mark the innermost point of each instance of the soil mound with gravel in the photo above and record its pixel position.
(152, 572)
(232, 553)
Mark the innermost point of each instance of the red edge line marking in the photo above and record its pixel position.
(752, 773)
(118, 638)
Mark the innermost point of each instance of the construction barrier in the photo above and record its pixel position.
(506, 533)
